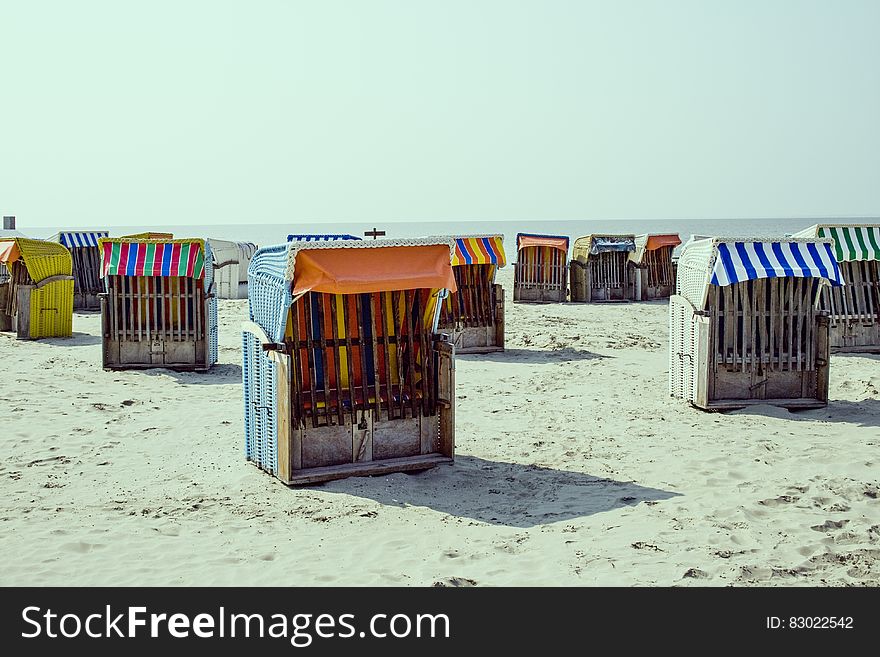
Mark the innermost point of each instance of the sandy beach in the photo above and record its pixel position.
(573, 467)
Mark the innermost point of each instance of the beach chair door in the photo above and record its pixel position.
(260, 401)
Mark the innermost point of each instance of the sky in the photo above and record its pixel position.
(213, 112)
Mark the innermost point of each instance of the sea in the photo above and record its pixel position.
(275, 233)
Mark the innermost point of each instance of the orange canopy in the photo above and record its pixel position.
(560, 243)
(659, 241)
(355, 271)
(9, 251)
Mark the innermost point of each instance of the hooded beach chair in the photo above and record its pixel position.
(36, 292)
(652, 266)
(854, 308)
(744, 327)
(87, 284)
(159, 309)
(344, 373)
(231, 260)
(601, 270)
(541, 270)
(474, 315)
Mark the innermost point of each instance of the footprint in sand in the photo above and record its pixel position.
(81, 547)
(829, 525)
(455, 581)
(776, 501)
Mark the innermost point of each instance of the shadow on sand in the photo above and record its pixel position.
(501, 493)
(532, 356)
(76, 340)
(865, 413)
(226, 373)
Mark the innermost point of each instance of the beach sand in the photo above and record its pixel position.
(573, 467)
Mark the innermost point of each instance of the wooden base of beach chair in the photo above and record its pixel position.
(477, 340)
(538, 295)
(790, 404)
(388, 466)
(140, 355)
(657, 293)
(855, 337)
(175, 367)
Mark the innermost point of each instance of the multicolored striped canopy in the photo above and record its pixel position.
(479, 250)
(749, 260)
(127, 257)
(852, 242)
(79, 239)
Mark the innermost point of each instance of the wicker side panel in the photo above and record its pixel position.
(213, 327)
(682, 349)
(694, 266)
(213, 332)
(52, 310)
(260, 404)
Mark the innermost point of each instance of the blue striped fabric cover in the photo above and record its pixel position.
(75, 239)
(319, 238)
(743, 261)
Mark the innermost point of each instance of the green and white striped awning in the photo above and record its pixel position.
(851, 242)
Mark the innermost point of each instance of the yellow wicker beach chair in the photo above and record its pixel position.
(36, 300)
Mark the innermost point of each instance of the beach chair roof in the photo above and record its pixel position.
(151, 235)
(358, 266)
(851, 241)
(479, 250)
(651, 242)
(525, 240)
(229, 252)
(79, 238)
(303, 237)
(129, 256)
(729, 260)
(42, 258)
(590, 245)
(279, 274)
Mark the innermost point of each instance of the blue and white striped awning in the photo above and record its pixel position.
(74, 239)
(319, 238)
(743, 261)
